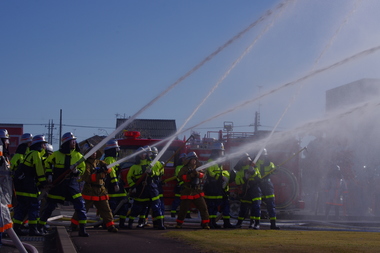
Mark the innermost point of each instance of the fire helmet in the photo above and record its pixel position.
(112, 144)
(218, 146)
(154, 150)
(67, 137)
(191, 155)
(49, 148)
(38, 138)
(4, 134)
(26, 137)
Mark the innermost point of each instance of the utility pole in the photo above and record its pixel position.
(50, 131)
(60, 127)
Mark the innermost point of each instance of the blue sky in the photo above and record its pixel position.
(95, 59)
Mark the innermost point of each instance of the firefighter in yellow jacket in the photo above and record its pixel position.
(248, 177)
(65, 166)
(94, 192)
(114, 183)
(142, 179)
(28, 179)
(191, 191)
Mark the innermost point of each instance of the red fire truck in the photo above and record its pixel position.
(286, 178)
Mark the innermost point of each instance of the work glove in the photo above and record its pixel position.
(248, 173)
(74, 169)
(225, 182)
(148, 170)
(116, 188)
(50, 179)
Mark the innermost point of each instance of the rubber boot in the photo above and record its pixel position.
(18, 230)
(251, 222)
(141, 223)
(82, 231)
(257, 224)
(43, 230)
(122, 223)
(238, 224)
(160, 224)
(273, 224)
(130, 224)
(179, 225)
(33, 231)
(227, 224)
(205, 226)
(73, 227)
(112, 229)
(213, 224)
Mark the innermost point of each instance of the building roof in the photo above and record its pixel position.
(150, 128)
(349, 94)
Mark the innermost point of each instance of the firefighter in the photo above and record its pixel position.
(115, 186)
(5, 184)
(336, 189)
(142, 179)
(248, 178)
(65, 166)
(191, 191)
(161, 169)
(94, 192)
(266, 167)
(22, 149)
(213, 187)
(28, 179)
(177, 188)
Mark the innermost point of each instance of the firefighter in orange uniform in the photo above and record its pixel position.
(94, 191)
(5, 184)
(191, 191)
(336, 189)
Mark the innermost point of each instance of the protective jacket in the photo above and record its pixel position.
(146, 187)
(59, 163)
(266, 167)
(30, 175)
(114, 179)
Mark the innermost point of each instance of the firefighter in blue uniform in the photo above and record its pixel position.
(29, 177)
(142, 179)
(266, 167)
(114, 184)
(248, 178)
(68, 163)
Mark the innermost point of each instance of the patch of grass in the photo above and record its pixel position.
(244, 240)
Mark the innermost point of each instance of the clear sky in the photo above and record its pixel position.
(96, 59)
